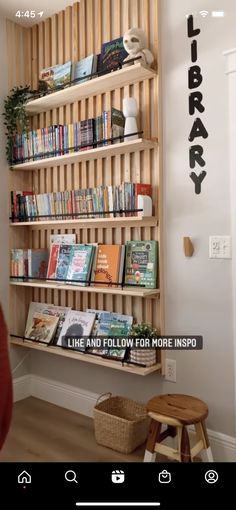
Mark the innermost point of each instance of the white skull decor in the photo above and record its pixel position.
(135, 43)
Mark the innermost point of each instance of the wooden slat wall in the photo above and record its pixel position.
(71, 35)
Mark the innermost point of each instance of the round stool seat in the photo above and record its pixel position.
(184, 408)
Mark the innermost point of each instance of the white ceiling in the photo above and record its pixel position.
(8, 9)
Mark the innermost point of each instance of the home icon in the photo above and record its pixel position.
(24, 477)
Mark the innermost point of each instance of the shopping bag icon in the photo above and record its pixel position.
(164, 476)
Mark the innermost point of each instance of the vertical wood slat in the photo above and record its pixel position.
(72, 35)
(82, 29)
(10, 53)
(34, 68)
(75, 32)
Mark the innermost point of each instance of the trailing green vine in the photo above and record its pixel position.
(16, 119)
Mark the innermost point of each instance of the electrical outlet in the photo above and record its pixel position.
(220, 247)
(170, 370)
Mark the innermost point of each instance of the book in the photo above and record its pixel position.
(80, 263)
(107, 265)
(112, 54)
(56, 76)
(48, 309)
(141, 263)
(53, 257)
(82, 69)
(141, 189)
(77, 324)
(110, 323)
(42, 327)
(114, 353)
(37, 263)
(18, 262)
(117, 124)
(63, 238)
(63, 261)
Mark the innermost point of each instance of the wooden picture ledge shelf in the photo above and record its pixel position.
(117, 79)
(89, 155)
(126, 291)
(88, 358)
(132, 221)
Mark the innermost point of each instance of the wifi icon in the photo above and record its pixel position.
(204, 13)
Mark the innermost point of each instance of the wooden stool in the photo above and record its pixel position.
(177, 412)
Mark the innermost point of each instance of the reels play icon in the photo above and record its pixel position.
(118, 476)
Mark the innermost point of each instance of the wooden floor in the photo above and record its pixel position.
(42, 432)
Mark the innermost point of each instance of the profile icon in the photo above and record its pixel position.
(211, 476)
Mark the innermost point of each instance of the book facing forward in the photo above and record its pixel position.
(41, 328)
(76, 325)
(47, 309)
(80, 263)
(112, 54)
(141, 263)
(107, 267)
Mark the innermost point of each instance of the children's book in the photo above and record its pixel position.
(117, 124)
(141, 263)
(48, 309)
(80, 263)
(107, 265)
(110, 323)
(63, 261)
(118, 354)
(37, 263)
(53, 257)
(42, 328)
(112, 54)
(81, 70)
(19, 262)
(63, 238)
(57, 76)
(77, 325)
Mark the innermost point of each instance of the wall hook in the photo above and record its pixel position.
(188, 247)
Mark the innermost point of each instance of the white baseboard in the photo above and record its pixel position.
(82, 401)
(21, 387)
(63, 395)
(223, 446)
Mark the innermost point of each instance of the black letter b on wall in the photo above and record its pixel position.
(194, 77)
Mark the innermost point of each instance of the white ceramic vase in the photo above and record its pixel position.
(130, 111)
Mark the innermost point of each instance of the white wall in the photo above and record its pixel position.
(198, 290)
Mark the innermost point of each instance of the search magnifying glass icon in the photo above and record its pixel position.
(70, 476)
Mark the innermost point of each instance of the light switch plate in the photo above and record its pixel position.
(220, 247)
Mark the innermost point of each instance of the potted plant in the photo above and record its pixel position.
(16, 119)
(143, 356)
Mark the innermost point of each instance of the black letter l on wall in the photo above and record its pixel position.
(191, 31)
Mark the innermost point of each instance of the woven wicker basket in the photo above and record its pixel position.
(146, 356)
(120, 423)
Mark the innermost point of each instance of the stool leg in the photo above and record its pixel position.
(153, 435)
(206, 454)
(185, 453)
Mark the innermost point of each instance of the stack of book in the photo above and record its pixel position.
(62, 139)
(84, 202)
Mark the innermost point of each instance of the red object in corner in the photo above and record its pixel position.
(5, 382)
